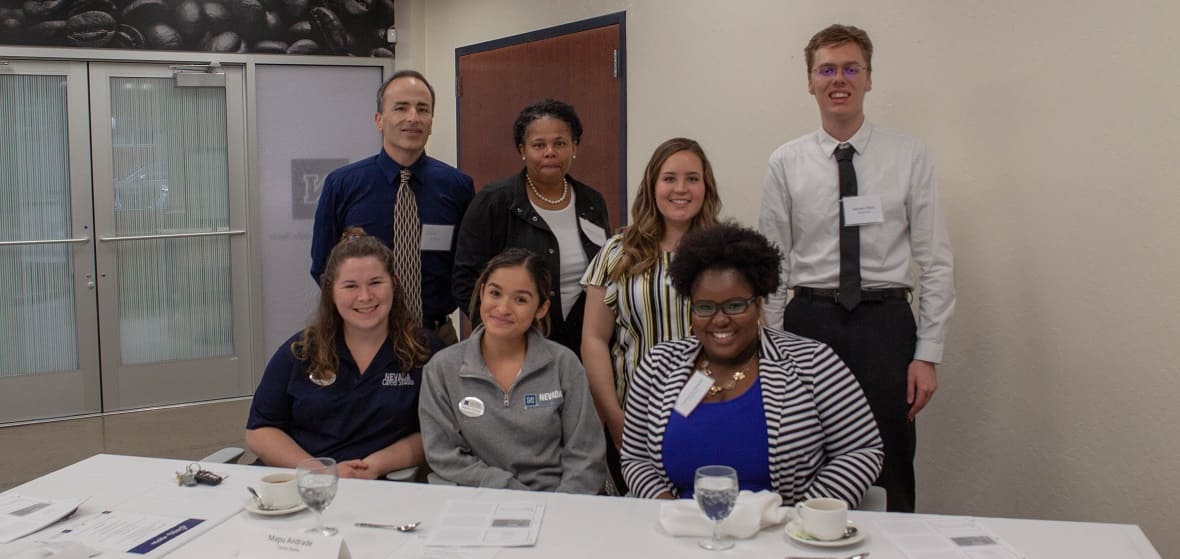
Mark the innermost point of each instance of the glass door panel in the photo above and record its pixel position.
(170, 165)
(170, 199)
(49, 340)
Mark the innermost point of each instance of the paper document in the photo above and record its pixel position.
(417, 550)
(945, 538)
(125, 532)
(487, 524)
(21, 516)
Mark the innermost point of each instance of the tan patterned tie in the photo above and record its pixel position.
(407, 239)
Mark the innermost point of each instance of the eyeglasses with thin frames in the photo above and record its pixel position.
(706, 309)
(851, 71)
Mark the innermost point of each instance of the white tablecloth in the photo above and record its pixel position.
(573, 527)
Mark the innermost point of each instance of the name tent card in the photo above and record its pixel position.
(274, 544)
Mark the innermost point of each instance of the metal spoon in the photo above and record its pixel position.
(412, 526)
(258, 499)
(848, 533)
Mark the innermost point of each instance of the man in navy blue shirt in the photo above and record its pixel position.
(362, 194)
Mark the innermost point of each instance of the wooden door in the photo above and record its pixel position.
(580, 63)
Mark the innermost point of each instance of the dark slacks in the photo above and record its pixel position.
(876, 340)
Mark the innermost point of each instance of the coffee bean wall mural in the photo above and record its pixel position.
(322, 27)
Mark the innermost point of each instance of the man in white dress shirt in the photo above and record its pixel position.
(854, 207)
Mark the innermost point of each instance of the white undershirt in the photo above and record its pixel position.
(564, 224)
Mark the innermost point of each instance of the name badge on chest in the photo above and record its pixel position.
(694, 391)
(471, 406)
(862, 210)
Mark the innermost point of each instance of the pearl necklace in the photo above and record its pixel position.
(737, 376)
(565, 191)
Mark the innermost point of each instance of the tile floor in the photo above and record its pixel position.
(185, 432)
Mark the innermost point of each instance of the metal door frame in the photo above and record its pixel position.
(136, 386)
(15, 56)
(76, 391)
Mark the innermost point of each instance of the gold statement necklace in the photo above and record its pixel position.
(738, 375)
(565, 191)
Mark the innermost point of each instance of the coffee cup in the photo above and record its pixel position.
(278, 491)
(823, 518)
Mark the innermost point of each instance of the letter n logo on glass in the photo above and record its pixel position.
(307, 180)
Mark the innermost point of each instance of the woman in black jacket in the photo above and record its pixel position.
(541, 208)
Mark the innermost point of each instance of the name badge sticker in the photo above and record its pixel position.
(862, 210)
(694, 391)
(437, 237)
(471, 406)
(593, 232)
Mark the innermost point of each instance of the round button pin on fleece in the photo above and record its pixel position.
(471, 406)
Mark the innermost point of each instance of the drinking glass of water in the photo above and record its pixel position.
(316, 480)
(715, 489)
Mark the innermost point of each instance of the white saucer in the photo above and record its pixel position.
(252, 506)
(795, 532)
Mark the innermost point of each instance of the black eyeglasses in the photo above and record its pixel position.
(705, 309)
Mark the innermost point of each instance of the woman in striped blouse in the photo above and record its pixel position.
(628, 296)
(780, 409)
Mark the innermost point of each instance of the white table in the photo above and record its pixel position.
(574, 526)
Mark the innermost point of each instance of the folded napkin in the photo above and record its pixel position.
(753, 512)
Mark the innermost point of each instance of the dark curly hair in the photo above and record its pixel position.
(543, 108)
(726, 246)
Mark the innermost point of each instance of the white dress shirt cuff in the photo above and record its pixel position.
(928, 351)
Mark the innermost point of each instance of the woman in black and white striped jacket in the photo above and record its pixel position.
(783, 410)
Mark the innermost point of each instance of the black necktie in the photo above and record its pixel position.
(849, 293)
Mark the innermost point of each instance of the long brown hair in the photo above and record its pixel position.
(317, 346)
(641, 239)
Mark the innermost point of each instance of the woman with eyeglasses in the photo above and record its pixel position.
(780, 409)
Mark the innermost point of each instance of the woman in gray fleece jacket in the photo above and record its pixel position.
(508, 408)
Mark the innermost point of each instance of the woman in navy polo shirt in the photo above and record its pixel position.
(346, 387)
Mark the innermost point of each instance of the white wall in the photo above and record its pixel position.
(1055, 129)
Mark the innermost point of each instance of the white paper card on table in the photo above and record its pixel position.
(126, 532)
(488, 524)
(945, 538)
(21, 515)
(418, 550)
(277, 544)
(694, 391)
(862, 210)
(437, 237)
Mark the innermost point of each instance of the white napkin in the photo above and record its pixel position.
(753, 512)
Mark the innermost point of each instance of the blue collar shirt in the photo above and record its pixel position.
(362, 194)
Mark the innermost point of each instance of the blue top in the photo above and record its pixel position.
(362, 195)
(348, 419)
(730, 433)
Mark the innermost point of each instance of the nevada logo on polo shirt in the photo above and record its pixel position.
(397, 379)
(543, 400)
